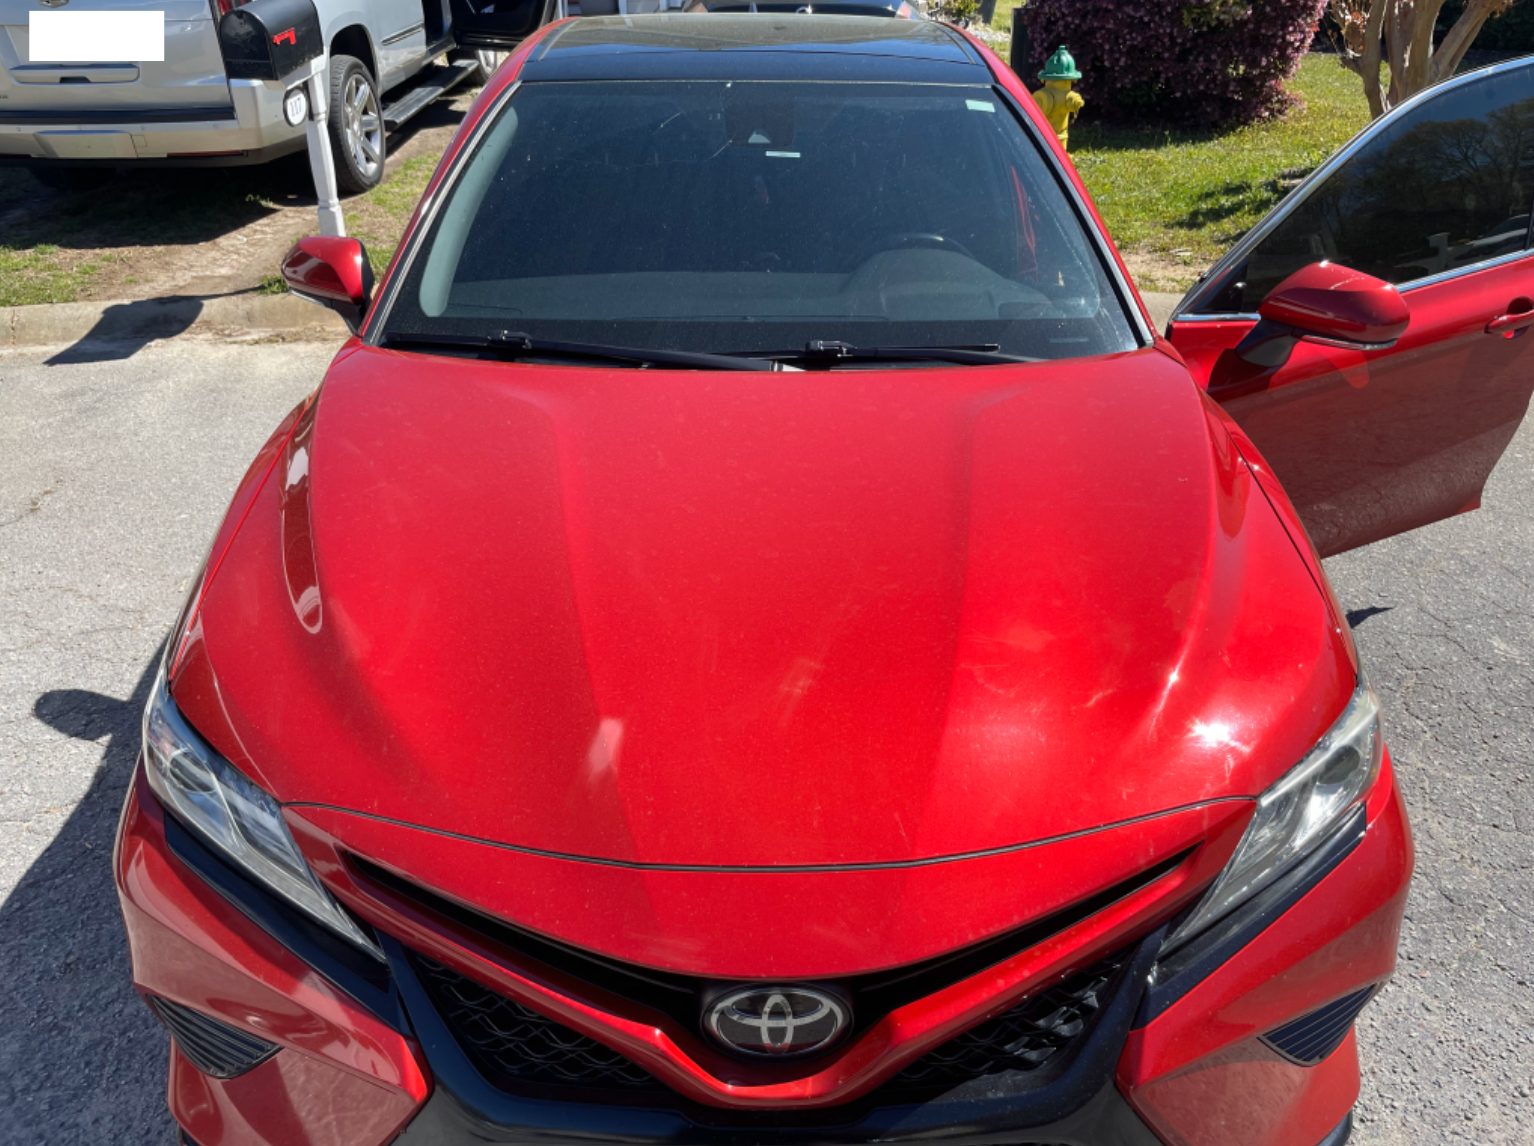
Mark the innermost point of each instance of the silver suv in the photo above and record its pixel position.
(73, 124)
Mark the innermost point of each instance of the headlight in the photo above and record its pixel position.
(241, 820)
(1297, 812)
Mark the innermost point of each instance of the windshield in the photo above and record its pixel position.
(730, 217)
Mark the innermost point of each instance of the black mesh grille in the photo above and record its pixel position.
(511, 1043)
(1311, 1038)
(1032, 1034)
(211, 1046)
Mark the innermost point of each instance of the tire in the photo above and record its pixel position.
(73, 180)
(356, 126)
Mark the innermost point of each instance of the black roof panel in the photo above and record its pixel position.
(682, 46)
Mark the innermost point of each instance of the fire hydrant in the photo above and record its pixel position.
(1059, 103)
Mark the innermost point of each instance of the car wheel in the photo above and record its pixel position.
(356, 125)
(73, 179)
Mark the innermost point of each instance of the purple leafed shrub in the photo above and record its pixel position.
(1206, 62)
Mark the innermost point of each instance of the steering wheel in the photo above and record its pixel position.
(905, 241)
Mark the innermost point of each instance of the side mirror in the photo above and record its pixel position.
(333, 272)
(1329, 304)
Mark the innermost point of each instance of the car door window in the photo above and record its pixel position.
(1445, 187)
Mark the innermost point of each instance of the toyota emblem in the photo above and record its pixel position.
(777, 1021)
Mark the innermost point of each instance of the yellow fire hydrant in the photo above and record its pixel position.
(1059, 103)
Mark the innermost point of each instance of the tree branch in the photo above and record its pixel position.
(1457, 40)
(1369, 66)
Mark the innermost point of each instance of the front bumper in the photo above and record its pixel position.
(1178, 1056)
(251, 129)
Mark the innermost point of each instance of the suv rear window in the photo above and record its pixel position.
(738, 216)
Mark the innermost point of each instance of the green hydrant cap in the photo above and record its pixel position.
(1060, 66)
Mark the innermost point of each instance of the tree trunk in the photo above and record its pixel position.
(1399, 33)
(1424, 14)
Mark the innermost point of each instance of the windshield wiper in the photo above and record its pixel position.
(826, 352)
(515, 344)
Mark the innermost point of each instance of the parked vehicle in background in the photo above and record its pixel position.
(73, 124)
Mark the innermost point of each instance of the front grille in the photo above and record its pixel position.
(514, 1045)
(211, 1046)
(511, 1043)
(1033, 1034)
(1310, 1038)
(680, 997)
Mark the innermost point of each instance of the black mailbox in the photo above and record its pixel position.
(269, 39)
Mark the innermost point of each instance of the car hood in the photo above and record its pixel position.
(755, 620)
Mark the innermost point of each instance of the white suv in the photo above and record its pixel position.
(73, 124)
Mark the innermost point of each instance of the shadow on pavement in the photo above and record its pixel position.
(1357, 617)
(126, 328)
(81, 1058)
(152, 206)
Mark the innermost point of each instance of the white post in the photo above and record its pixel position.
(314, 79)
(322, 163)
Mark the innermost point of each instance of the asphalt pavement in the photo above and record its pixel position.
(115, 469)
(113, 475)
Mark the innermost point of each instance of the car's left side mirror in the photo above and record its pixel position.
(1329, 304)
(333, 272)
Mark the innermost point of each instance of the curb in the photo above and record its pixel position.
(250, 315)
(247, 315)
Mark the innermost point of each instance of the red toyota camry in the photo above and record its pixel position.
(757, 640)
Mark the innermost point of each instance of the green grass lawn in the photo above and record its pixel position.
(379, 217)
(38, 274)
(53, 256)
(1175, 200)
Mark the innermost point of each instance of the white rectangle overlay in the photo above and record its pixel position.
(95, 37)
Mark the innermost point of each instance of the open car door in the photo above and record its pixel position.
(500, 25)
(1373, 438)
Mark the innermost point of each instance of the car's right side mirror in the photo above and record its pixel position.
(1329, 304)
(333, 272)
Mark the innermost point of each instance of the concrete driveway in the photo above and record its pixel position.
(113, 475)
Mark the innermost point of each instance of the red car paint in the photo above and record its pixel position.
(330, 268)
(191, 946)
(1330, 299)
(332, 271)
(777, 562)
(1198, 1073)
(1370, 444)
(541, 639)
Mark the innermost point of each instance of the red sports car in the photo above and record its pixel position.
(757, 640)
